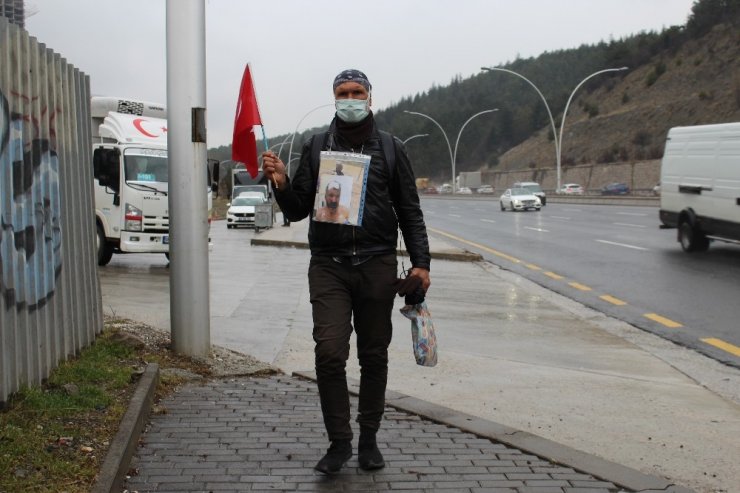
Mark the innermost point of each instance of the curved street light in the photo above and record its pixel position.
(557, 139)
(453, 156)
(280, 144)
(290, 149)
(547, 107)
(415, 136)
(457, 141)
(449, 148)
(565, 112)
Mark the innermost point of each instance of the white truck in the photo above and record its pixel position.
(131, 177)
(700, 184)
(469, 179)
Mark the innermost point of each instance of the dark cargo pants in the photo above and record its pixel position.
(343, 293)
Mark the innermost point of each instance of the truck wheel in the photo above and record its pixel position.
(105, 250)
(502, 206)
(691, 238)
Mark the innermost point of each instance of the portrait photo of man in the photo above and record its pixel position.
(333, 210)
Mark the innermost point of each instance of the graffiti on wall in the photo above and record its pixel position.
(30, 208)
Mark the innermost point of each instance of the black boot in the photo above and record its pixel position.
(340, 451)
(368, 454)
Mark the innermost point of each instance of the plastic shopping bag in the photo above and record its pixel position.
(422, 333)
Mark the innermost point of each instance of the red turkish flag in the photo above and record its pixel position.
(243, 144)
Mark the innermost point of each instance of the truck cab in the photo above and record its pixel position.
(131, 175)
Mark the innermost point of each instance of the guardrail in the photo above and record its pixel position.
(626, 200)
(605, 200)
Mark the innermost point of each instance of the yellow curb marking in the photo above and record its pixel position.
(553, 275)
(533, 267)
(477, 245)
(662, 320)
(725, 346)
(579, 286)
(613, 300)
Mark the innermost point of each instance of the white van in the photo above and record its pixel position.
(700, 184)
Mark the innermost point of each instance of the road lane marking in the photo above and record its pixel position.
(579, 286)
(613, 300)
(477, 245)
(488, 220)
(533, 267)
(553, 275)
(454, 215)
(725, 346)
(537, 229)
(631, 225)
(662, 320)
(622, 245)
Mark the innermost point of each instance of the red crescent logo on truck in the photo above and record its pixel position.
(137, 123)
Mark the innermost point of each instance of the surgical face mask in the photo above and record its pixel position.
(352, 110)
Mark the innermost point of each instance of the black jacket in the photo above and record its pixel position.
(378, 233)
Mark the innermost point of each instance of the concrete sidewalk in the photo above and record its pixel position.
(266, 434)
(587, 403)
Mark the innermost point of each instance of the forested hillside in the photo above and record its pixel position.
(684, 75)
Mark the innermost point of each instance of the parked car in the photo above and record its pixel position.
(656, 190)
(615, 189)
(430, 191)
(571, 189)
(242, 209)
(534, 188)
(445, 188)
(485, 189)
(519, 199)
(464, 191)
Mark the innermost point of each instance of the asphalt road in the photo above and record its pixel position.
(612, 258)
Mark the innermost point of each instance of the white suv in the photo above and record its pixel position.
(533, 187)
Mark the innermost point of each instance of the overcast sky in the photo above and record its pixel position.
(296, 47)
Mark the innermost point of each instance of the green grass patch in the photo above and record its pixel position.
(54, 437)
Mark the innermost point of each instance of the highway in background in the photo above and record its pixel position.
(613, 258)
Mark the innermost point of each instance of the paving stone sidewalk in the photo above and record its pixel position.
(266, 434)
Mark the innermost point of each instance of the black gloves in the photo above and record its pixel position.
(410, 287)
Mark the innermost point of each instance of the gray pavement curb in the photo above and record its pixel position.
(622, 476)
(462, 256)
(123, 446)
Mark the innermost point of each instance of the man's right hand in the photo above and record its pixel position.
(273, 169)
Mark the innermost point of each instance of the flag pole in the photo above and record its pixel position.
(266, 144)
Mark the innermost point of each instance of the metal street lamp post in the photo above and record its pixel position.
(415, 136)
(290, 149)
(281, 144)
(547, 107)
(457, 141)
(449, 148)
(565, 112)
(453, 156)
(557, 138)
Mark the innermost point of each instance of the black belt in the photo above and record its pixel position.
(352, 259)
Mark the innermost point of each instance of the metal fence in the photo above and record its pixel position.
(50, 303)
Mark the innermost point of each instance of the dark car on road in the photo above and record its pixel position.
(615, 189)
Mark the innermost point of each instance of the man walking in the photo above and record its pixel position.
(353, 270)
